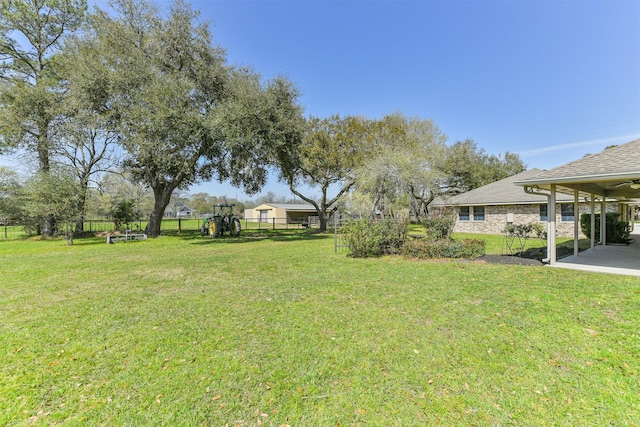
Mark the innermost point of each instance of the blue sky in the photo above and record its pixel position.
(550, 80)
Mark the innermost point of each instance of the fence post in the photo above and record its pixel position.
(335, 234)
(274, 223)
(179, 225)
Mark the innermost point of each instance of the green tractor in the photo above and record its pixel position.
(222, 221)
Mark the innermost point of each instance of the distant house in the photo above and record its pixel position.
(282, 213)
(490, 208)
(179, 210)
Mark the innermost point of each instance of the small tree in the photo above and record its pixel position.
(56, 193)
(125, 213)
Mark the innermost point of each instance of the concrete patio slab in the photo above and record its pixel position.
(613, 259)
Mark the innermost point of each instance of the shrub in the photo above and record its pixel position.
(443, 248)
(439, 228)
(366, 238)
(516, 235)
(617, 231)
(471, 248)
(393, 235)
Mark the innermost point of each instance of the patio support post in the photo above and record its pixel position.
(593, 222)
(576, 221)
(551, 236)
(603, 222)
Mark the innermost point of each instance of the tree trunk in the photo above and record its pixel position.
(82, 201)
(48, 224)
(422, 202)
(319, 209)
(162, 197)
(325, 205)
(323, 220)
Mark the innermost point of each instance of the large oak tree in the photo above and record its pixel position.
(185, 114)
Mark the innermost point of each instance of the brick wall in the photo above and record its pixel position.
(496, 218)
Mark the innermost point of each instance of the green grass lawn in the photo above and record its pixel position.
(274, 328)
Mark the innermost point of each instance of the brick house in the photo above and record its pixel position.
(490, 208)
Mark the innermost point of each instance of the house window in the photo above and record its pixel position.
(544, 213)
(463, 213)
(478, 213)
(566, 210)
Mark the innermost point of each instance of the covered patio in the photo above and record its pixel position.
(611, 176)
(614, 259)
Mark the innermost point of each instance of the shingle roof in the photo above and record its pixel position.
(608, 173)
(616, 161)
(503, 192)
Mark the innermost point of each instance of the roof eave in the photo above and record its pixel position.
(529, 202)
(579, 179)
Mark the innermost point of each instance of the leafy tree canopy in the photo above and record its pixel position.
(185, 115)
(327, 155)
(399, 170)
(31, 33)
(465, 166)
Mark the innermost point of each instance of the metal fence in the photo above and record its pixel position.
(14, 231)
(339, 243)
(278, 223)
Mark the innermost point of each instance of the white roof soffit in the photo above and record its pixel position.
(584, 179)
(612, 189)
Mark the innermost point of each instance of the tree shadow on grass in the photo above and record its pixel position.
(193, 236)
(83, 240)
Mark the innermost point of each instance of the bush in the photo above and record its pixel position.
(516, 235)
(366, 238)
(443, 248)
(439, 228)
(617, 231)
(393, 235)
(125, 213)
